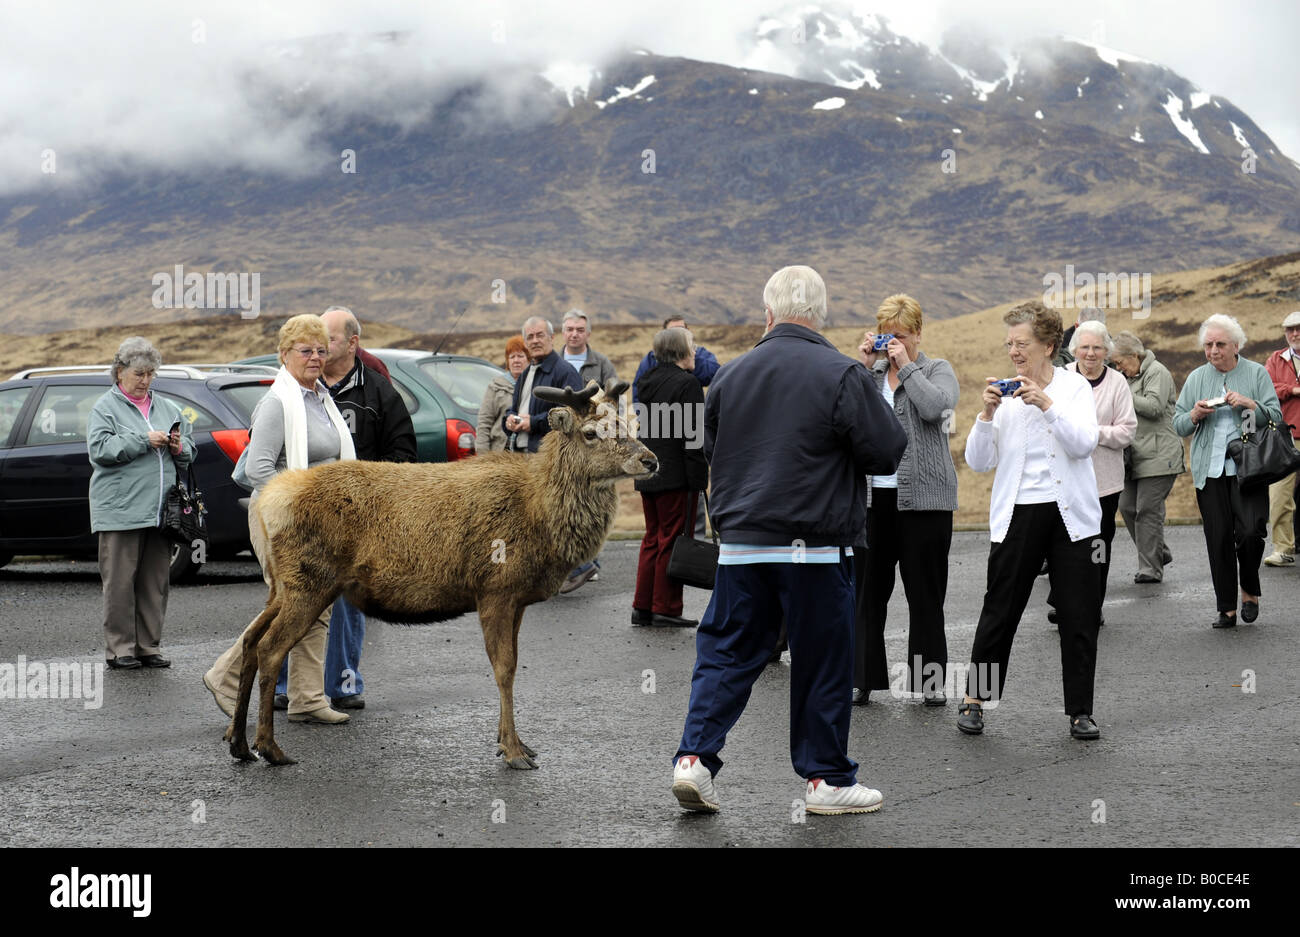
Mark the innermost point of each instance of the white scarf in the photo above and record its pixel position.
(289, 391)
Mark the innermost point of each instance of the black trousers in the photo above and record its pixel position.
(1037, 532)
(1233, 522)
(1101, 552)
(917, 542)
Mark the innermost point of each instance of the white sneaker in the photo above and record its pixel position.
(824, 799)
(1280, 559)
(693, 785)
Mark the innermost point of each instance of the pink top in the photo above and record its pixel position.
(1116, 428)
(141, 403)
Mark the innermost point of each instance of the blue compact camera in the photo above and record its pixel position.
(882, 341)
(1007, 387)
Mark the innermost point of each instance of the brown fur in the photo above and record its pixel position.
(427, 542)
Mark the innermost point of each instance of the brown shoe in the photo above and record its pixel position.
(323, 716)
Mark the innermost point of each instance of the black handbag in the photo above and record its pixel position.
(183, 514)
(1264, 456)
(694, 562)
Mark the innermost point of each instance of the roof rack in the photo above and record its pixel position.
(191, 371)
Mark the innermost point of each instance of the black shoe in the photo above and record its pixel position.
(935, 698)
(154, 660)
(1226, 621)
(970, 718)
(126, 662)
(1083, 727)
(861, 697)
(642, 617)
(356, 701)
(1249, 611)
(281, 703)
(1166, 558)
(1143, 579)
(672, 621)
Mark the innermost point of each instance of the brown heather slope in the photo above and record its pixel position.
(1259, 293)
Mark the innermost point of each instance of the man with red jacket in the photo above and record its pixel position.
(1283, 368)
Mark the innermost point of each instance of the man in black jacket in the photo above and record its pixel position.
(791, 429)
(381, 432)
(526, 422)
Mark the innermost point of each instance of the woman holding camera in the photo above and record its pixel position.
(909, 513)
(1219, 399)
(1038, 431)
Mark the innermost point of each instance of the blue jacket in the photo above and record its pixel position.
(553, 371)
(791, 429)
(706, 366)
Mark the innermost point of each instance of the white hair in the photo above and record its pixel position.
(136, 352)
(796, 293)
(550, 329)
(1230, 326)
(1092, 327)
(574, 315)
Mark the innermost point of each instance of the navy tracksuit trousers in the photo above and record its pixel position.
(735, 639)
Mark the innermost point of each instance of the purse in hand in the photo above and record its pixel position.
(694, 562)
(1264, 456)
(183, 513)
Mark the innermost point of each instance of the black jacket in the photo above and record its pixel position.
(553, 371)
(375, 414)
(670, 413)
(790, 430)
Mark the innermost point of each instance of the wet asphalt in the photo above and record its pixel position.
(1186, 758)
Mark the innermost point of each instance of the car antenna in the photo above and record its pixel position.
(452, 329)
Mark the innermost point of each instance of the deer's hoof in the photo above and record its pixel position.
(240, 750)
(521, 763)
(272, 755)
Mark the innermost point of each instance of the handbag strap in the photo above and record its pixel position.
(688, 527)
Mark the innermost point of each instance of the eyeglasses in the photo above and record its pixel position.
(308, 353)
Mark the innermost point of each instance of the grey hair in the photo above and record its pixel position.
(136, 352)
(577, 314)
(796, 293)
(1092, 327)
(1126, 343)
(350, 324)
(1092, 314)
(672, 345)
(550, 329)
(1229, 325)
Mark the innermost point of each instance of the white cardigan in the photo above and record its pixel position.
(1072, 423)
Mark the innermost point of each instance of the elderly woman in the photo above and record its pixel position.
(1157, 455)
(909, 513)
(1212, 408)
(135, 441)
(1116, 426)
(668, 498)
(492, 435)
(296, 425)
(1040, 437)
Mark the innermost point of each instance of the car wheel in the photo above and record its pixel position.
(183, 568)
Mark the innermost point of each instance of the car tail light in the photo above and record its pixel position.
(232, 442)
(460, 440)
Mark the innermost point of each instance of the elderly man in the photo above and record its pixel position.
(791, 429)
(1283, 367)
(381, 432)
(526, 418)
(706, 364)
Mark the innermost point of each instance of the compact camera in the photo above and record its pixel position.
(1007, 387)
(882, 342)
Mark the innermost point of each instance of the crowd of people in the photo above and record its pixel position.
(814, 526)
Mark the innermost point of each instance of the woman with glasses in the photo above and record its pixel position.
(296, 425)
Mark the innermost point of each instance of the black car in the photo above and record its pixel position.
(45, 470)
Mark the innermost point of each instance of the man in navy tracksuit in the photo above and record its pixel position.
(791, 430)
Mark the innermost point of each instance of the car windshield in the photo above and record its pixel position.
(464, 381)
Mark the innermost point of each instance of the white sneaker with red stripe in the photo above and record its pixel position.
(822, 798)
(693, 785)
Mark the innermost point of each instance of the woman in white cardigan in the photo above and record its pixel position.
(1116, 429)
(1040, 438)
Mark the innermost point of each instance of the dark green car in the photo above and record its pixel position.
(442, 392)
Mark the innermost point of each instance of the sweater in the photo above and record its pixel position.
(1207, 381)
(491, 431)
(1157, 450)
(1116, 427)
(1072, 424)
(669, 392)
(924, 402)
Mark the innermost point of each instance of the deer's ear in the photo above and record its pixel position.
(560, 418)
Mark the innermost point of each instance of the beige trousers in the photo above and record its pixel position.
(134, 565)
(1281, 505)
(306, 658)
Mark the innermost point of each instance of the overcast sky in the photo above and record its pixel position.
(137, 83)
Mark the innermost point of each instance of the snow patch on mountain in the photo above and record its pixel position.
(1174, 108)
(570, 78)
(622, 91)
(830, 104)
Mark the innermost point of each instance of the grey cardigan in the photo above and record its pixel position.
(924, 402)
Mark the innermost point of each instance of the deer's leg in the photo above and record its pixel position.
(298, 615)
(237, 731)
(500, 619)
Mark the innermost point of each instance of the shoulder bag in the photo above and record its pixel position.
(694, 562)
(1264, 456)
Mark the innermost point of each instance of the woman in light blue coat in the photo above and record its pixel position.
(134, 451)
